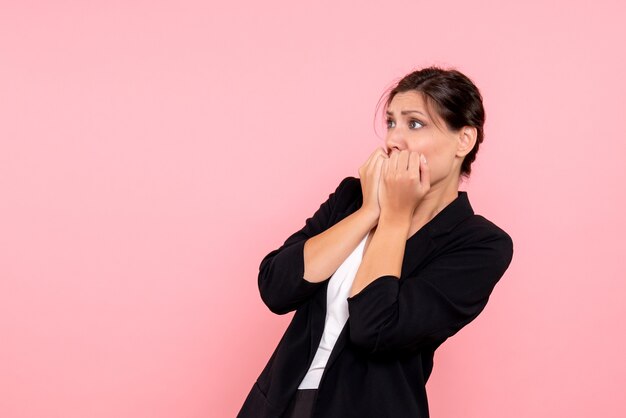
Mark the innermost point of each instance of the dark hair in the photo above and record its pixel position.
(453, 96)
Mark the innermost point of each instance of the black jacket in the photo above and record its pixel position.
(384, 354)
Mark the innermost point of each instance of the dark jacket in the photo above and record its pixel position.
(384, 354)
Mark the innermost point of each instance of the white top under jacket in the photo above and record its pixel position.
(336, 314)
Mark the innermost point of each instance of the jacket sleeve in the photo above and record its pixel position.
(281, 274)
(392, 316)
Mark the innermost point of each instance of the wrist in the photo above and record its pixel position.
(371, 214)
(395, 219)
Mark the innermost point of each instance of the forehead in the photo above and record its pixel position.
(408, 100)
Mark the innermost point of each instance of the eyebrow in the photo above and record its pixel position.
(405, 112)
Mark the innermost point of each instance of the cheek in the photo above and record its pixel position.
(431, 152)
(439, 160)
(436, 150)
(440, 149)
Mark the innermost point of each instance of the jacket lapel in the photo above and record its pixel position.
(423, 242)
(418, 247)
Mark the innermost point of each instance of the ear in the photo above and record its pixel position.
(466, 140)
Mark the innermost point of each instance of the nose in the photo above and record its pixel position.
(395, 140)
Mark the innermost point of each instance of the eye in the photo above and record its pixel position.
(390, 123)
(415, 124)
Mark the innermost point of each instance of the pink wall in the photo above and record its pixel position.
(151, 153)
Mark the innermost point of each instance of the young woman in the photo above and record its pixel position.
(389, 267)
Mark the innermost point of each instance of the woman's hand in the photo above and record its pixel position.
(404, 181)
(369, 173)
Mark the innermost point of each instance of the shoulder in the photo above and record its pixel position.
(480, 225)
(349, 191)
(351, 184)
(479, 232)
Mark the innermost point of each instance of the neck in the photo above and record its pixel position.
(439, 196)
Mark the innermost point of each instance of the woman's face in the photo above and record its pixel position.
(410, 128)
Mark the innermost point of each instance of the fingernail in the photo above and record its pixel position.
(423, 159)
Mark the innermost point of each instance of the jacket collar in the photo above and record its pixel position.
(418, 247)
(450, 216)
(422, 242)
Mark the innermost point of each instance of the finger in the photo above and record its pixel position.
(375, 165)
(393, 161)
(425, 172)
(414, 164)
(403, 160)
(378, 152)
(378, 165)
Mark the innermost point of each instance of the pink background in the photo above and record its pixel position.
(153, 152)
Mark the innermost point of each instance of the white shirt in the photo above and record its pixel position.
(338, 291)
